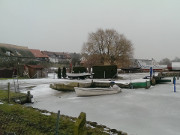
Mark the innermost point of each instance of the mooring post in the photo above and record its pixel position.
(146, 85)
(151, 72)
(17, 84)
(8, 92)
(174, 82)
(80, 125)
(57, 123)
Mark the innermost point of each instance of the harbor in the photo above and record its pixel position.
(135, 111)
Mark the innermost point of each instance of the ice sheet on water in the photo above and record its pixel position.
(135, 111)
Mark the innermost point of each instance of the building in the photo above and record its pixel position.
(7, 72)
(11, 57)
(58, 57)
(35, 71)
(39, 55)
(8, 50)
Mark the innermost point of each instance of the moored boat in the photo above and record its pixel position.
(97, 91)
(78, 75)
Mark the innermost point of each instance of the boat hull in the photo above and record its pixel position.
(95, 91)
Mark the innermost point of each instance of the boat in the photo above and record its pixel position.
(135, 85)
(97, 91)
(78, 75)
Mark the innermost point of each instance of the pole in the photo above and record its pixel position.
(8, 92)
(174, 82)
(174, 87)
(17, 83)
(57, 123)
(151, 72)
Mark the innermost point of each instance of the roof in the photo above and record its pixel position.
(13, 46)
(14, 51)
(63, 55)
(38, 54)
(146, 64)
(35, 66)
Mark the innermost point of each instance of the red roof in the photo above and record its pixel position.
(38, 54)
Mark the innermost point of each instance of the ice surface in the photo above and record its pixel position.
(154, 111)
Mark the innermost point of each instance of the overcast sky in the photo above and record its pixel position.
(153, 26)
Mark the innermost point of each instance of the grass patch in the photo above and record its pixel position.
(13, 78)
(24, 120)
(29, 121)
(13, 95)
(20, 119)
(5, 78)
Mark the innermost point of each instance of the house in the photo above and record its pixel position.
(8, 50)
(58, 57)
(39, 55)
(35, 71)
(11, 59)
(83, 60)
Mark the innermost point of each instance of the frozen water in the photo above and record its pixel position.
(153, 111)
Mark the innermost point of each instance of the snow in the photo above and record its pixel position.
(135, 111)
(48, 114)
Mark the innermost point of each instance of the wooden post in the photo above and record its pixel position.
(80, 125)
(57, 123)
(8, 92)
(29, 97)
(17, 84)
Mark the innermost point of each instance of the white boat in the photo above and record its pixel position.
(97, 91)
(78, 75)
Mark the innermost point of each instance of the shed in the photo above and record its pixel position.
(7, 72)
(106, 71)
(35, 71)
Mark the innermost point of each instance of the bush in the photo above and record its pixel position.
(59, 73)
(64, 72)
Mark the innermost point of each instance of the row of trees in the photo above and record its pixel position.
(107, 47)
(61, 74)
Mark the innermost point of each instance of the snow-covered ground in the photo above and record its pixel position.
(154, 111)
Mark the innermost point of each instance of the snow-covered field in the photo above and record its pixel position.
(154, 111)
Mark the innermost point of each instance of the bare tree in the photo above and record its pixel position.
(176, 59)
(75, 59)
(106, 47)
(165, 61)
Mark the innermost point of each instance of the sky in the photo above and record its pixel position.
(153, 26)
